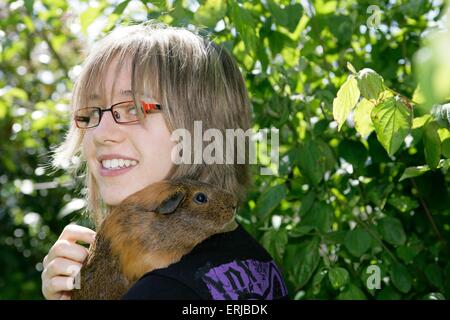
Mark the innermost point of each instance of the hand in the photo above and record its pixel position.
(63, 262)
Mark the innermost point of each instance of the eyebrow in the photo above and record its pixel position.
(125, 93)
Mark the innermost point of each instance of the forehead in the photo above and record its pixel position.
(109, 75)
(114, 82)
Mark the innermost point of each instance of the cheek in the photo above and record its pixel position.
(87, 146)
(156, 145)
(163, 135)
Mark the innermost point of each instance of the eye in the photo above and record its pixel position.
(117, 115)
(200, 198)
(132, 110)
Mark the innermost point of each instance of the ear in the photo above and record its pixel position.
(171, 203)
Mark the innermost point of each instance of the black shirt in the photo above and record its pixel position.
(226, 266)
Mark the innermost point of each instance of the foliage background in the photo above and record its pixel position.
(337, 205)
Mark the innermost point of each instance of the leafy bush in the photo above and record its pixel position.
(362, 181)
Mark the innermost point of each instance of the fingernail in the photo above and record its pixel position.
(70, 283)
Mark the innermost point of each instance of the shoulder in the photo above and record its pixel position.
(159, 287)
(226, 266)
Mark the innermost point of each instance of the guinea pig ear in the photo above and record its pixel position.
(171, 203)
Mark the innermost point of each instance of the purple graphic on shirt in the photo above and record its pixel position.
(248, 279)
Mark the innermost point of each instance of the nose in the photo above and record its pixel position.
(108, 130)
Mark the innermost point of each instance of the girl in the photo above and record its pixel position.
(138, 85)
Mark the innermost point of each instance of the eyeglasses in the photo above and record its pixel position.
(125, 112)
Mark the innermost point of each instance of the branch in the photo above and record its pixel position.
(55, 54)
(430, 217)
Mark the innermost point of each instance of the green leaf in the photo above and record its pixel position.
(16, 93)
(300, 231)
(353, 152)
(418, 96)
(400, 277)
(406, 254)
(432, 144)
(280, 16)
(319, 217)
(211, 12)
(421, 121)
(269, 200)
(446, 148)
(412, 172)
(392, 120)
(345, 101)
(307, 202)
(294, 12)
(361, 116)
(317, 279)
(378, 192)
(388, 293)
(370, 83)
(245, 26)
(307, 260)
(3, 109)
(434, 296)
(357, 241)
(274, 241)
(89, 16)
(403, 203)
(352, 293)
(288, 17)
(392, 231)
(350, 67)
(277, 41)
(314, 159)
(434, 275)
(29, 6)
(338, 277)
(334, 237)
(120, 8)
(433, 67)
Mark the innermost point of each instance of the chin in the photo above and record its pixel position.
(112, 201)
(113, 197)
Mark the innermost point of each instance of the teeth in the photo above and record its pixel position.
(118, 163)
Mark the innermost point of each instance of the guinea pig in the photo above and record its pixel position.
(152, 229)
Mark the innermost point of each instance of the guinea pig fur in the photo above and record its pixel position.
(152, 229)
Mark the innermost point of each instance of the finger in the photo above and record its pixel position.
(45, 261)
(65, 296)
(62, 267)
(69, 250)
(58, 284)
(73, 232)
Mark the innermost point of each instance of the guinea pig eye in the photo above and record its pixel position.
(200, 198)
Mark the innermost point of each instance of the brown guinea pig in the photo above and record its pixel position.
(152, 229)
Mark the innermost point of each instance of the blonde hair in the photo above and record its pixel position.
(193, 79)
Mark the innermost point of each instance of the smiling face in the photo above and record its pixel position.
(124, 158)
